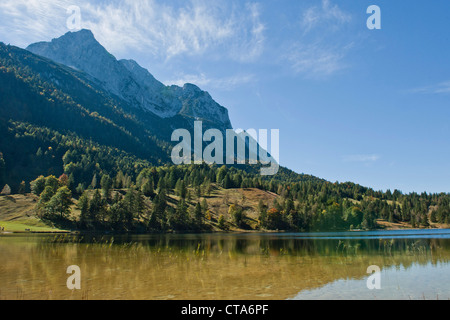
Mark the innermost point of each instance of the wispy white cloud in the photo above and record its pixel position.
(251, 42)
(440, 88)
(325, 16)
(23, 21)
(158, 28)
(364, 158)
(317, 60)
(202, 80)
(228, 29)
(319, 52)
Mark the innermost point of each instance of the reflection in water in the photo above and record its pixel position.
(418, 281)
(225, 266)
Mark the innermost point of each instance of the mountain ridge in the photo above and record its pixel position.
(131, 82)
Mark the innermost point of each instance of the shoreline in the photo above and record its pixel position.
(37, 232)
(79, 232)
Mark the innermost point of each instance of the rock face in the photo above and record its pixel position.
(198, 104)
(130, 82)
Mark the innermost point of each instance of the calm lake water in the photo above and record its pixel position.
(414, 265)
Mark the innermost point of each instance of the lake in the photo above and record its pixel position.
(414, 265)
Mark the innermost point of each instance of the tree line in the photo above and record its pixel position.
(173, 198)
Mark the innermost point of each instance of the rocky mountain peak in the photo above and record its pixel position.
(131, 82)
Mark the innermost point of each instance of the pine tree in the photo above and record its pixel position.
(22, 188)
(221, 174)
(198, 213)
(424, 221)
(159, 208)
(207, 187)
(413, 221)
(198, 191)
(119, 181)
(391, 217)
(221, 222)
(64, 180)
(83, 206)
(262, 211)
(226, 182)
(204, 205)
(131, 205)
(180, 189)
(94, 182)
(96, 207)
(147, 188)
(71, 182)
(80, 188)
(161, 185)
(6, 191)
(172, 179)
(289, 206)
(369, 220)
(182, 213)
(237, 214)
(106, 184)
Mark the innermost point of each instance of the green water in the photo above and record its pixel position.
(414, 265)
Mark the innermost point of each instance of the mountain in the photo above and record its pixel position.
(129, 81)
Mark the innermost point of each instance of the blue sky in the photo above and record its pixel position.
(352, 104)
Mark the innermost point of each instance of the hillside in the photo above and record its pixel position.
(18, 212)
